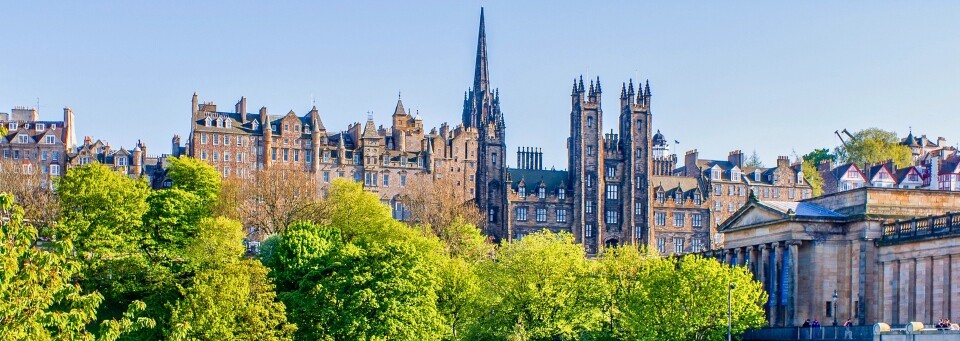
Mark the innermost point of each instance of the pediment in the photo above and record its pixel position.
(751, 214)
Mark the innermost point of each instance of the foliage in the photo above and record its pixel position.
(540, 287)
(379, 282)
(40, 301)
(197, 177)
(33, 192)
(101, 210)
(874, 145)
(685, 299)
(170, 221)
(272, 200)
(813, 177)
(819, 155)
(439, 203)
(754, 160)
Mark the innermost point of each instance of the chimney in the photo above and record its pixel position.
(736, 158)
(934, 173)
(69, 135)
(783, 161)
(690, 163)
(824, 166)
(242, 109)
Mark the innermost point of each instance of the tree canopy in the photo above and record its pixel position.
(874, 145)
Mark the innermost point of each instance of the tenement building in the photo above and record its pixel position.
(132, 162)
(34, 145)
(869, 254)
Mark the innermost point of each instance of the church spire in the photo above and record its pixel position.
(481, 77)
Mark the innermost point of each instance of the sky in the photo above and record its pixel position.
(777, 78)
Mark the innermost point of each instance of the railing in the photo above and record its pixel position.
(902, 230)
(810, 333)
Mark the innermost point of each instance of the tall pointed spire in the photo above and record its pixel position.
(481, 76)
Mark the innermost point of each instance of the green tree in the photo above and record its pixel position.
(685, 299)
(197, 177)
(540, 288)
(380, 281)
(810, 165)
(101, 210)
(40, 300)
(873, 145)
(229, 298)
(170, 222)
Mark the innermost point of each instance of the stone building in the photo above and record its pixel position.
(890, 255)
(133, 163)
(35, 145)
(729, 182)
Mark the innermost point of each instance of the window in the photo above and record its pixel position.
(660, 198)
(307, 156)
(730, 190)
(203, 155)
(697, 198)
(719, 190)
(561, 193)
(791, 193)
(6, 154)
(326, 176)
(589, 121)
(730, 207)
(286, 154)
(13, 126)
(522, 191)
(326, 156)
(611, 171)
(677, 219)
(776, 192)
(800, 178)
(661, 218)
(23, 138)
(286, 127)
(491, 215)
(756, 175)
(639, 182)
(588, 230)
(386, 180)
(356, 157)
(541, 192)
(403, 180)
(829, 309)
(695, 220)
(122, 161)
(521, 214)
(638, 208)
(662, 245)
(715, 174)
(40, 126)
(735, 175)
(678, 197)
(44, 155)
(914, 177)
(216, 156)
(54, 169)
(541, 215)
(216, 140)
(589, 180)
(766, 192)
(226, 156)
(677, 245)
(226, 140)
(612, 217)
(296, 155)
(50, 139)
(589, 206)
(697, 245)
(226, 171)
(589, 150)
(612, 192)
(561, 215)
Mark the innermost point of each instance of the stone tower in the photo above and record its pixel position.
(481, 110)
(585, 150)
(636, 142)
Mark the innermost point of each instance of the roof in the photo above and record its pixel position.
(668, 183)
(532, 178)
(801, 209)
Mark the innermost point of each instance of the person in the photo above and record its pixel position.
(815, 325)
(939, 324)
(847, 332)
(805, 329)
(806, 324)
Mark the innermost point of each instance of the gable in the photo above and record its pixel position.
(751, 215)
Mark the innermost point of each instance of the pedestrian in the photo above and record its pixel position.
(806, 324)
(815, 325)
(847, 332)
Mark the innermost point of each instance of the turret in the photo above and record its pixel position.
(195, 105)
(267, 130)
(315, 127)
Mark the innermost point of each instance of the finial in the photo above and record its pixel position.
(398, 95)
(598, 85)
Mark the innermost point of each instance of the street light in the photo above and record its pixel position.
(730, 312)
(834, 308)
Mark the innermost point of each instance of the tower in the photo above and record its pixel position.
(636, 142)
(586, 162)
(482, 111)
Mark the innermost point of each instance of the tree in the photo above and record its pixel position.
(754, 160)
(170, 222)
(435, 203)
(273, 199)
(813, 177)
(41, 302)
(540, 287)
(101, 210)
(197, 177)
(229, 298)
(682, 298)
(33, 191)
(873, 145)
(364, 275)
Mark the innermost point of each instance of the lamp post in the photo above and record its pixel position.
(834, 308)
(730, 312)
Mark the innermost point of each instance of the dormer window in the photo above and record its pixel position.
(121, 161)
(255, 125)
(756, 175)
(229, 123)
(541, 192)
(220, 122)
(40, 126)
(306, 128)
(697, 198)
(522, 191)
(715, 174)
(13, 125)
(50, 139)
(207, 121)
(23, 139)
(561, 194)
(735, 175)
(660, 197)
(678, 197)
(800, 178)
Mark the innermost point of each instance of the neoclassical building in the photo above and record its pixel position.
(890, 255)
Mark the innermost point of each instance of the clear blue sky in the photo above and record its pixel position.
(764, 76)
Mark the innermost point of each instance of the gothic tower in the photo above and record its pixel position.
(481, 110)
(585, 151)
(635, 133)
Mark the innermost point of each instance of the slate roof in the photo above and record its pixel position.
(669, 183)
(531, 178)
(801, 209)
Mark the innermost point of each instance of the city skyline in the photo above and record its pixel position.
(878, 75)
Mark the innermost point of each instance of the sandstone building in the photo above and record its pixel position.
(35, 145)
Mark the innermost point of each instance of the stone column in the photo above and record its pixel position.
(728, 256)
(774, 289)
(752, 256)
(792, 280)
(738, 256)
